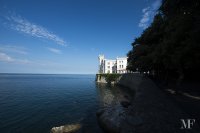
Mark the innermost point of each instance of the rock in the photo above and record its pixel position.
(125, 104)
(111, 118)
(127, 97)
(66, 128)
(134, 120)
(100, 112)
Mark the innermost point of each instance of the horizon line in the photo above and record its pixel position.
(51, 73)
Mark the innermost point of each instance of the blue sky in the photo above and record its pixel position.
(66, 36)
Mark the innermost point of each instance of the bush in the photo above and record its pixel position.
(111, 77)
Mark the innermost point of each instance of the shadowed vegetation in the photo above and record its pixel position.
(110, 77)
(170, 47)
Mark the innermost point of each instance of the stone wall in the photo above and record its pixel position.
(131, 81)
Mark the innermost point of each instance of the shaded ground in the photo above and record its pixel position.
(186, 97)
(151, 111)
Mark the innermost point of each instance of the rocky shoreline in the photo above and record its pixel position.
(141, 107)
(151, 111)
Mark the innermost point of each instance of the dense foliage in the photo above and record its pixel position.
(110, 77)
(170, 47)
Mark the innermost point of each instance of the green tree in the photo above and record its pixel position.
(170, 46)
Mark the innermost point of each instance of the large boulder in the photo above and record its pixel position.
(110, 118)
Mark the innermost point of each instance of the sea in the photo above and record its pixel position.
(34, 103)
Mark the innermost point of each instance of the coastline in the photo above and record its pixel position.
(149, 111)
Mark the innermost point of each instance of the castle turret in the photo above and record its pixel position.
(101, 59)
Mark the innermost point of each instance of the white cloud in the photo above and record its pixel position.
(6, 58)
(23, 61)
(148, 14)
(156, 4)
(15, 49)
(145, 9)
(56, 51)
(22, 25)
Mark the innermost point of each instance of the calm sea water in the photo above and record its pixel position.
(33, 103)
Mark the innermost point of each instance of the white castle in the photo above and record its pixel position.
(112, 66)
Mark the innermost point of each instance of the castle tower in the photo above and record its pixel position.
(101, 59)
